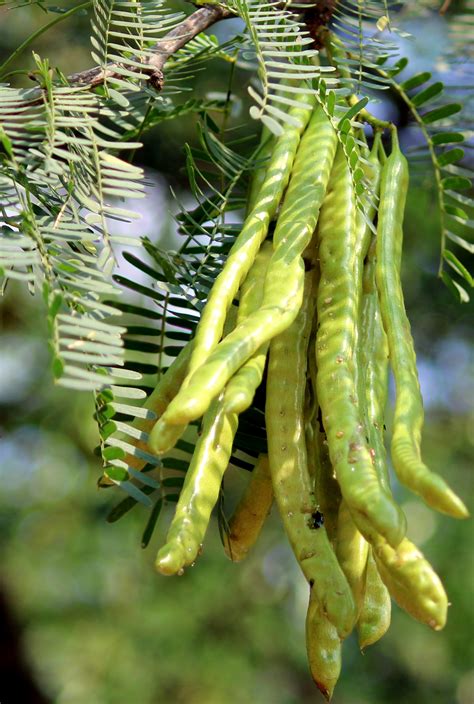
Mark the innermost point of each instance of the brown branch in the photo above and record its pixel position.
(189, 28)
(445, 7)
(197, 22)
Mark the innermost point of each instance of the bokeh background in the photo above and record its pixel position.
(85, 618)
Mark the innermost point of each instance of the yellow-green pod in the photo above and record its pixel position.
(412, 582)
(250, 513)
(163, 436)
(292, 485)
(200, 491)
(240, 390)
(323, 647)
(408, 419)
(327, 489)
(338, 311)
(201, 486)
(374, 618)
(351, 551)
(253, 232)
(374, 368)
(365, 341)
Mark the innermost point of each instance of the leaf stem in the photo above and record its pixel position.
(29, 40)
(367, 116)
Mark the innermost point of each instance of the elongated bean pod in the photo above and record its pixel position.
(200, 491)
(326, 487)
(363, 239)
(328, 491)
(338, 310)
(374, 618)
(248, 242)
(374, 367)
(292, 486)
(412, 582)
(241, 388)
(323, 646)
(351, 551)
(250, 513)
(310, 411)
(351, 546)
(284, 281)
(408, 420)
(164, 436)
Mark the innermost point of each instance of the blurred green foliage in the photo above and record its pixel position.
(100, 627)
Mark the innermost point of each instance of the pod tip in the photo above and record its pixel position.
(170, 561)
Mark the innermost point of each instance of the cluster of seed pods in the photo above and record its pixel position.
(321, 309)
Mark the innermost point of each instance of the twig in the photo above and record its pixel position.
(370, 119)
(189, 28)
(445, 7)
(197, 22)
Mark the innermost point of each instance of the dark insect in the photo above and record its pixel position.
(317, 520)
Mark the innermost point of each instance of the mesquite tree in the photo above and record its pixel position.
(264, 341)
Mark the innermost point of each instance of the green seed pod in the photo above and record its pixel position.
(374, 369)
(408, 421)
(250, 513)
(254, 231)
(241, 388)
(338, 312)
(374, 618)
(412, 582)
(323, 646)
(292, 486)
(200, 491)
(351, 551)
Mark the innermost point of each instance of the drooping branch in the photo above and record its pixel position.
(189, 28)
(197, 22)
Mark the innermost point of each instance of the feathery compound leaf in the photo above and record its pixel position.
(286, 65)
(438, 130)
(365, 28)
(60, 188)
(122, 34)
